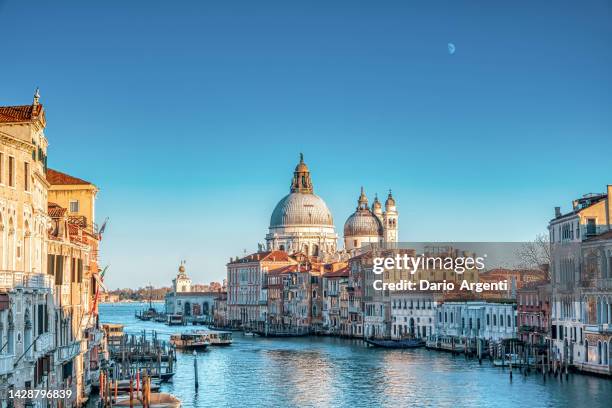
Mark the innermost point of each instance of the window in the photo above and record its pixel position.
(591, 226)
(26, 176)
(74, 206)
(11, 170)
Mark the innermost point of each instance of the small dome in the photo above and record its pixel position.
(363, 223)
(301, 209)
(390, 200)
(376, 204)
(182, 268)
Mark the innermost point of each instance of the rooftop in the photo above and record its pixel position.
(58, 178)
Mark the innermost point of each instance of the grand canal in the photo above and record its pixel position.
(331, 372)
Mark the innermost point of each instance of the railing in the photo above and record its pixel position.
(6, 363)
(13, 279)
(43, 343)
(68, 352)
(598, 328)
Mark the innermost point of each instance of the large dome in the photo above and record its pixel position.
(301, 209)
(363, 223)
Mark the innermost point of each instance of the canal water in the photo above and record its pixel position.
(332, 372)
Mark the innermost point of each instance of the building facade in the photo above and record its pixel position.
(580, 283)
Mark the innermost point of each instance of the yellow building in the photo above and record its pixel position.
(73, 250)
(76, 195)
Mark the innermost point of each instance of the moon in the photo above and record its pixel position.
(451, 48)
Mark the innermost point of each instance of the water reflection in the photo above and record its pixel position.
(330, 372)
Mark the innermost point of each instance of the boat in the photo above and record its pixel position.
(190, 341)
(174, 320)
(397, 344)
(513, 359)
(156, 400)
(217, 338)
(248, 333)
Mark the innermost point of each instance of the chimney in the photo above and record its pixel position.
(557, 212)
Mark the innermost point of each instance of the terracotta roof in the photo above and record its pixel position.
(340, 273)
(55, 177)
(21, 113)
(277, 256)
(601, 237)
(283, 269)
(55, 211)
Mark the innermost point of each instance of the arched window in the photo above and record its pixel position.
(599, 359)
(11, 334)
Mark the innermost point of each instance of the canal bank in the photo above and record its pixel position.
(324, 371)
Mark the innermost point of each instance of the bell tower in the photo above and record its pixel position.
(390, 217)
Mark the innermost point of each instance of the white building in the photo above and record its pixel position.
(301, 221)
(487, 320)
(371, 226)
(413, 314)
(183, 301)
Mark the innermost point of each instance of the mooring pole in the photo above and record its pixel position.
(195, 369)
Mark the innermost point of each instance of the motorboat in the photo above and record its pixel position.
(190, 341)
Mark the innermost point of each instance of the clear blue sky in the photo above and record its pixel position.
(190, 116)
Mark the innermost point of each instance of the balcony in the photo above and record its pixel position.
(6, 363)
(598, 328)
(13, 279)
(354, 309)
(68, 352)
(43, 344)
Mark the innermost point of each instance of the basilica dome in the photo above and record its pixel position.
(301, 209)
(301, 221)
(363, 223)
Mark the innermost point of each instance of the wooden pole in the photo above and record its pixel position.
(102, 385)
(195, 369)
(131, 393)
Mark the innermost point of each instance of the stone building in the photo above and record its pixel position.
(246, 290)
(72, 260)
(534, 312)
(334, 284)
(580, 281)
(26, 303)
(191, 304)
(367, 227)
(47, 264)
(477, 319)
(596, 304)
(301, 221)
(413, 314)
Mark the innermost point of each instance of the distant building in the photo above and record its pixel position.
(183, 300)
(534, 312)
(246, 289)
(413, 314)
(477, 319)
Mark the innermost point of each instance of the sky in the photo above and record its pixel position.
(190, 116)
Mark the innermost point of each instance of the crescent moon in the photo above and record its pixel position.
(451, 48)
